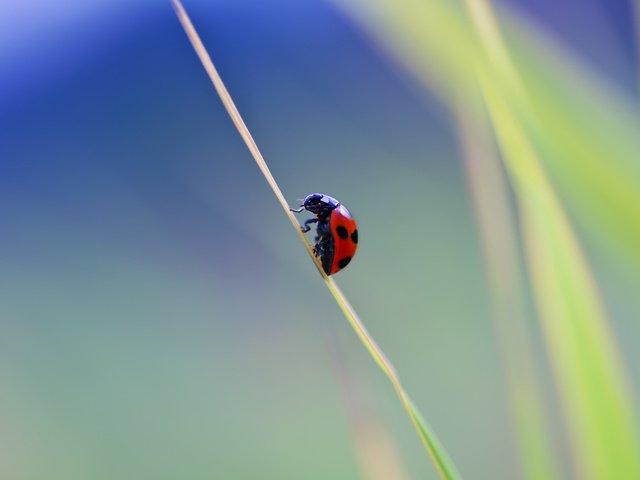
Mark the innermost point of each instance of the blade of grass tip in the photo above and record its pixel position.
(444, 466)
(438, 455)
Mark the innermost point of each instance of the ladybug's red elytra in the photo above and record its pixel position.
(336, 232)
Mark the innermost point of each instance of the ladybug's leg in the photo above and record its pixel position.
(305, 228)
(322, 230)
(318, 248)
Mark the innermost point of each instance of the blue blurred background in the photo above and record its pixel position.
(159, 318)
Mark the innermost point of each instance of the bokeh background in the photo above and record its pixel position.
(159, 319)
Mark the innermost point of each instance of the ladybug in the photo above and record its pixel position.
(336, 232)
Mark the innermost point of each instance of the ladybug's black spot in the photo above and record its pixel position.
(342, 232)
(354, 236)
(344, 262)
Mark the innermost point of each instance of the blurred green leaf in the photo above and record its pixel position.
(583, 125)
(589, 373)
(587, 135)
(580, 129)
(498, 234)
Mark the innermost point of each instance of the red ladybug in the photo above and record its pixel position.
(336, 232)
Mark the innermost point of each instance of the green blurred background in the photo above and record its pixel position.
(159, 317)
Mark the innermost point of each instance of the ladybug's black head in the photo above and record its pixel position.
(313, 202)
(319, 203)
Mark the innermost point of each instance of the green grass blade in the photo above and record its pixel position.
(438, 455)
(441, 461)
(586, 128)
(589, 372)
(498, 235)
(588, 134)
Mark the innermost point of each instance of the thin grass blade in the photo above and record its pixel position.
(498, 234)
(589, 371)
(441, 461)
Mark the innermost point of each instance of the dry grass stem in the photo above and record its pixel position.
(439, 458)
